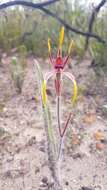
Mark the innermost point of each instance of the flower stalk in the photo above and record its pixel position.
(54, 144)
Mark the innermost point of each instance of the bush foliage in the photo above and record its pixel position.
(24, 27)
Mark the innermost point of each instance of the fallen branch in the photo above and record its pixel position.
(41, 6)
(67, 26)
(27, 4)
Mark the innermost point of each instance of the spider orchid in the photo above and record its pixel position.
(58, 72)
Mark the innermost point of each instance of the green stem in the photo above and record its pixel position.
(58, 114)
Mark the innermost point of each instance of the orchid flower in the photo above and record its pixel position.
(58, 65)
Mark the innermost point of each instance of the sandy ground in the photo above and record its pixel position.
(23, 159)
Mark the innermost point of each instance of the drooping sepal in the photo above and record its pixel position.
(75, 90)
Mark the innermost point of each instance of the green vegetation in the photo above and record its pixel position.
(99, 51)
(17, 72)
(31, 29)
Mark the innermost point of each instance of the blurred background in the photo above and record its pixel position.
(26, 29)
(24, 32)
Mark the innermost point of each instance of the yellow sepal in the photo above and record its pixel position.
(49, 45)
(70, 46)
(75, 92)
(61, 37)
(44, 96)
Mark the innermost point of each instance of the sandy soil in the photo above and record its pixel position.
(23, 159)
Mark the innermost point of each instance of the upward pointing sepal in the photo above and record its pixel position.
(61, 37)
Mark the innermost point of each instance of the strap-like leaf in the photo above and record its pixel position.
(46, 111)
(44, 96)
(70, 47)
(49, 45)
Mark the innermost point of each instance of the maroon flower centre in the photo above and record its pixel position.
(59, 63)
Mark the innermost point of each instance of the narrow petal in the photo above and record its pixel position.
(61, 37)
(65, 60)
(44, 96)
(48, 76)
(72, 78)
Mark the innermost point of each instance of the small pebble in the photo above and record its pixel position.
(99, 146)
(86, 188)
(32, 141)
(37, 170)
(77, 155)
(66, 183)
(45, 180)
